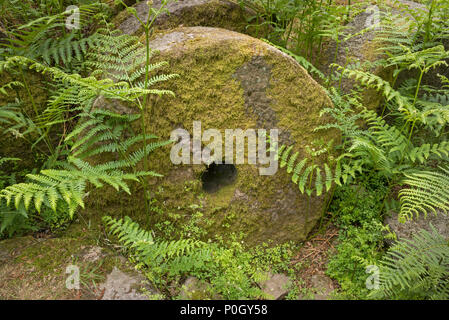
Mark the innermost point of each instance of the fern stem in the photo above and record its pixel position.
(414, 102)
(341, 74)
(411, 130)
(417, 87)
(429, 23)
(142, 118)
(392, 85)
(329, 79)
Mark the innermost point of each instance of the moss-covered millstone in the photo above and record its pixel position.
(33, 102)
(190, 13)
(229, 81)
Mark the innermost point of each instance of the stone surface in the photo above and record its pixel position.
(189, 13)
(92, 254)
(406, 230)
(322, 286)
(276, 286)
(231, 81)
(121, 286)
(35, 268)
(359, 48)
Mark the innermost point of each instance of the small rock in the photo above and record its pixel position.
(195, 289)
(406, 230)
(323, 286)
(277, 286)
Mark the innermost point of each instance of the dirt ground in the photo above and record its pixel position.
(312, 260)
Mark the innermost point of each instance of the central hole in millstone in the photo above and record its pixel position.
(217, 176)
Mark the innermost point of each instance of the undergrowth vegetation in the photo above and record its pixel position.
(230, 270)
(403, 144)
(356, 210)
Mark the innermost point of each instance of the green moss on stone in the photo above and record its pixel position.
(262, 207)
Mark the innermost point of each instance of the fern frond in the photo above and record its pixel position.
(121, 90)
(370, 80)
(425, 151)
(52, 187)
(122, 58)
(172, 257)
(310, 177)
(38, 38)
(301, 60)
(416, 268)
(10, 85)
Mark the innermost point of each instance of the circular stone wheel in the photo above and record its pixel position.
(228, 80)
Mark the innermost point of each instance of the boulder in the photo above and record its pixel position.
(228, 80)
(92, 254)
(362, 48)
(189, 13)
(122, 286)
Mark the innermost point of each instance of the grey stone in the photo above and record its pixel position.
(406, 230)
(231, 80)
(93, 254)
(322, 285)
(361, 48)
